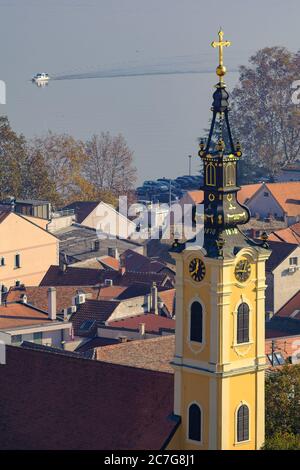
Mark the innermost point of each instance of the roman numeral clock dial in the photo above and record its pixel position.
(197, 269)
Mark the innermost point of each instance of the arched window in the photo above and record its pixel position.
(196, 325)
(194, 423)
(243, 423)
(230, 174)
(210, 175)
(243, 323)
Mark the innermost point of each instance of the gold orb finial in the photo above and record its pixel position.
(221, 69)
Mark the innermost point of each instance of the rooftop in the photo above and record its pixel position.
(279, 252)
(287, 195)
(153, 354)
(153, 323)
(73, 276)
(82, 209)
(93, 311)
(37, 296)
(291, 309)
(133, 261)
(290, 234)
(80, 408)
(78, 243)
(19, 315)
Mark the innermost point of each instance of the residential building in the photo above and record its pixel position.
(27, 250)
(282, 274)
(20, 322)
(278, 200)
(82, 245)
(102, 217)
(136, 304)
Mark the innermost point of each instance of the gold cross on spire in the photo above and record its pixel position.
(221, 69)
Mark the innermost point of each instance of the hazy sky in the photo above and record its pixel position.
(161, 117)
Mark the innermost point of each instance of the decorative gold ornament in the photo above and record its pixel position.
(220, 145)
(211, 197)
(221, 69)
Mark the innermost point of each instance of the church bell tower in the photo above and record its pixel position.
(219, 359)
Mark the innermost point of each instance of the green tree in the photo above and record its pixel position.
(263, 116)
(283, 401)
(282, 441)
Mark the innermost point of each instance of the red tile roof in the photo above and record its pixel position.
(153, 323)
(291, 308)
(72, 403)
(38, 295)
(19, 315)
(290, 234)
(196, 196)
(111, 292)
(287, 195)
(247, 191)
(287, 345)
(154, 354)
(168, 298)
(109, 262)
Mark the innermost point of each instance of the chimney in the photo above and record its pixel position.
(65, 312)
(52, 303)
(96, 245)
(154, 296)
(113, 252)
(122, 268)
(142, 330)
(148, 299)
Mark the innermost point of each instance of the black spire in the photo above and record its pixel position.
(223, 214)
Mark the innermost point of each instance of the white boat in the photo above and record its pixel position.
(41, 77)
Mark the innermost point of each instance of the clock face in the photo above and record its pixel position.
(242, 270)
(197, 269)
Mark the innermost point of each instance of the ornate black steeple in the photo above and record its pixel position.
(220, 155)
(222, 211)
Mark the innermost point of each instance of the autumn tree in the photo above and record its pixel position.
(263, 116)
(37, 183)
(109, 165)
(13, 155)
(64, 158)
